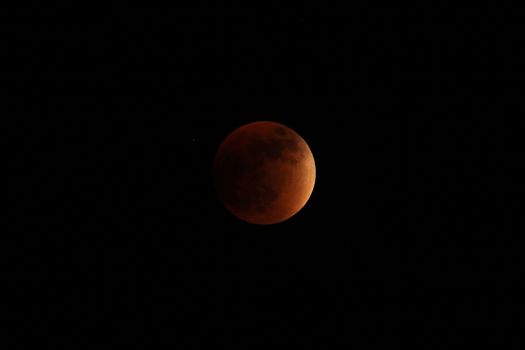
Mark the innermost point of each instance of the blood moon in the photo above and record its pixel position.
(264, 172)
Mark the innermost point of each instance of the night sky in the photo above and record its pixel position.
(118, 236)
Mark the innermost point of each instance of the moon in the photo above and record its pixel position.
(264, 172)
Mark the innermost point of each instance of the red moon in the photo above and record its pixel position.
(264, 172)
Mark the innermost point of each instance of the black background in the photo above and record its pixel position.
(117, 236)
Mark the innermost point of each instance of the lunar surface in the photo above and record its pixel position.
(264, 172)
